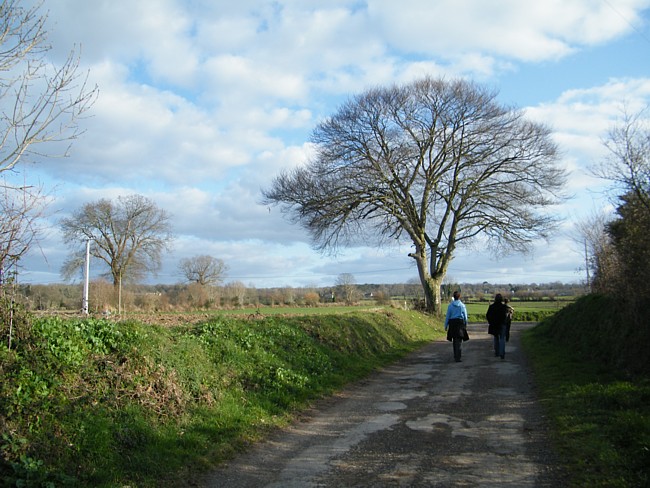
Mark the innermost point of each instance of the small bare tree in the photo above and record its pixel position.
(346, 287)
(237, 292)
(21, 208)
(601, 264)
(204, 270)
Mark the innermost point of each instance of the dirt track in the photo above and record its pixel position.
(425, 421)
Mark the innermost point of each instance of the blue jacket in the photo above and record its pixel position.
(456, 310)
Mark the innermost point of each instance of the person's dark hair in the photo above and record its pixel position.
(456, 295)
(498, 298)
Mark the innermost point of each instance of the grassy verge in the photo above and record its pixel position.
(599, 409)
(96, 403)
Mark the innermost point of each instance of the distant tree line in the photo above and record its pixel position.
(233, 295)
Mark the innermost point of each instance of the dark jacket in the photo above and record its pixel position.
(496, 316)
(457, 330)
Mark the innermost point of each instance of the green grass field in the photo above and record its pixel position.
(524, 311)
(474, 308)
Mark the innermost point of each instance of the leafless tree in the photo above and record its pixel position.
(204, 270)
(21, 208)
(622, 267)
(346, 287)
(628, 164)
(129, 236)
(592, 239)
(39, 103)
(436, 163)
(237, 292)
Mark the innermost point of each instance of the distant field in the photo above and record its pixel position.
(475, 310)
(478, 308)
(472, 308)
(301, 310)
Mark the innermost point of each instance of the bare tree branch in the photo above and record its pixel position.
(39, 103)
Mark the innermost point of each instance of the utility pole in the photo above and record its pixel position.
(84, 301)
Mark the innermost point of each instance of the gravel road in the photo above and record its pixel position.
(425, 421)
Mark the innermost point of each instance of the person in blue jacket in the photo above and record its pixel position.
(456, 325)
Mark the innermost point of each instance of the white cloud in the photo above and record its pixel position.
(510, 28)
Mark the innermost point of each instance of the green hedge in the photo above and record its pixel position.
(525, 316)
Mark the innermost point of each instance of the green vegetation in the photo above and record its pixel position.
(96, 403)
(533, 311)
(592, 371)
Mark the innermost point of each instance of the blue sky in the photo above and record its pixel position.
(202, 102)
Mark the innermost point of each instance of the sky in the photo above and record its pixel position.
(203, 102)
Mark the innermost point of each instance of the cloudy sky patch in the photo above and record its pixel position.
(203, 103)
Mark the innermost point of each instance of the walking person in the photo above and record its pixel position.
(456, 325)
(509, 314)
(497, 315)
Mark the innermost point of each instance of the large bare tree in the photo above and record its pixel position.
(128, 235)
(438, 163)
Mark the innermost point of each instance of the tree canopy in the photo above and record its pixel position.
(434, 162)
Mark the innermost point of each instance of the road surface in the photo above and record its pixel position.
(425, 421)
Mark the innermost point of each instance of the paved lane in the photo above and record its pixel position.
(425, 421)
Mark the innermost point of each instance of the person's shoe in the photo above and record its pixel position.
(503, 356)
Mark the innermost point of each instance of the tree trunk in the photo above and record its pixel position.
(431, 282)
(432, 295)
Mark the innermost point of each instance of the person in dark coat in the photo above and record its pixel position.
(497, 315)
(456, 325)
(509, 314)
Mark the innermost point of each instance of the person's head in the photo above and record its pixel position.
(456, 295)
(498, 298)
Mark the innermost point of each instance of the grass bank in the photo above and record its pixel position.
(591, 367)
(97, 403)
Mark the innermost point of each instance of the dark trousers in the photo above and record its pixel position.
(458, 348)
(457, 333)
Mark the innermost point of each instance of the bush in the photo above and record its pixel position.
(601, 328)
